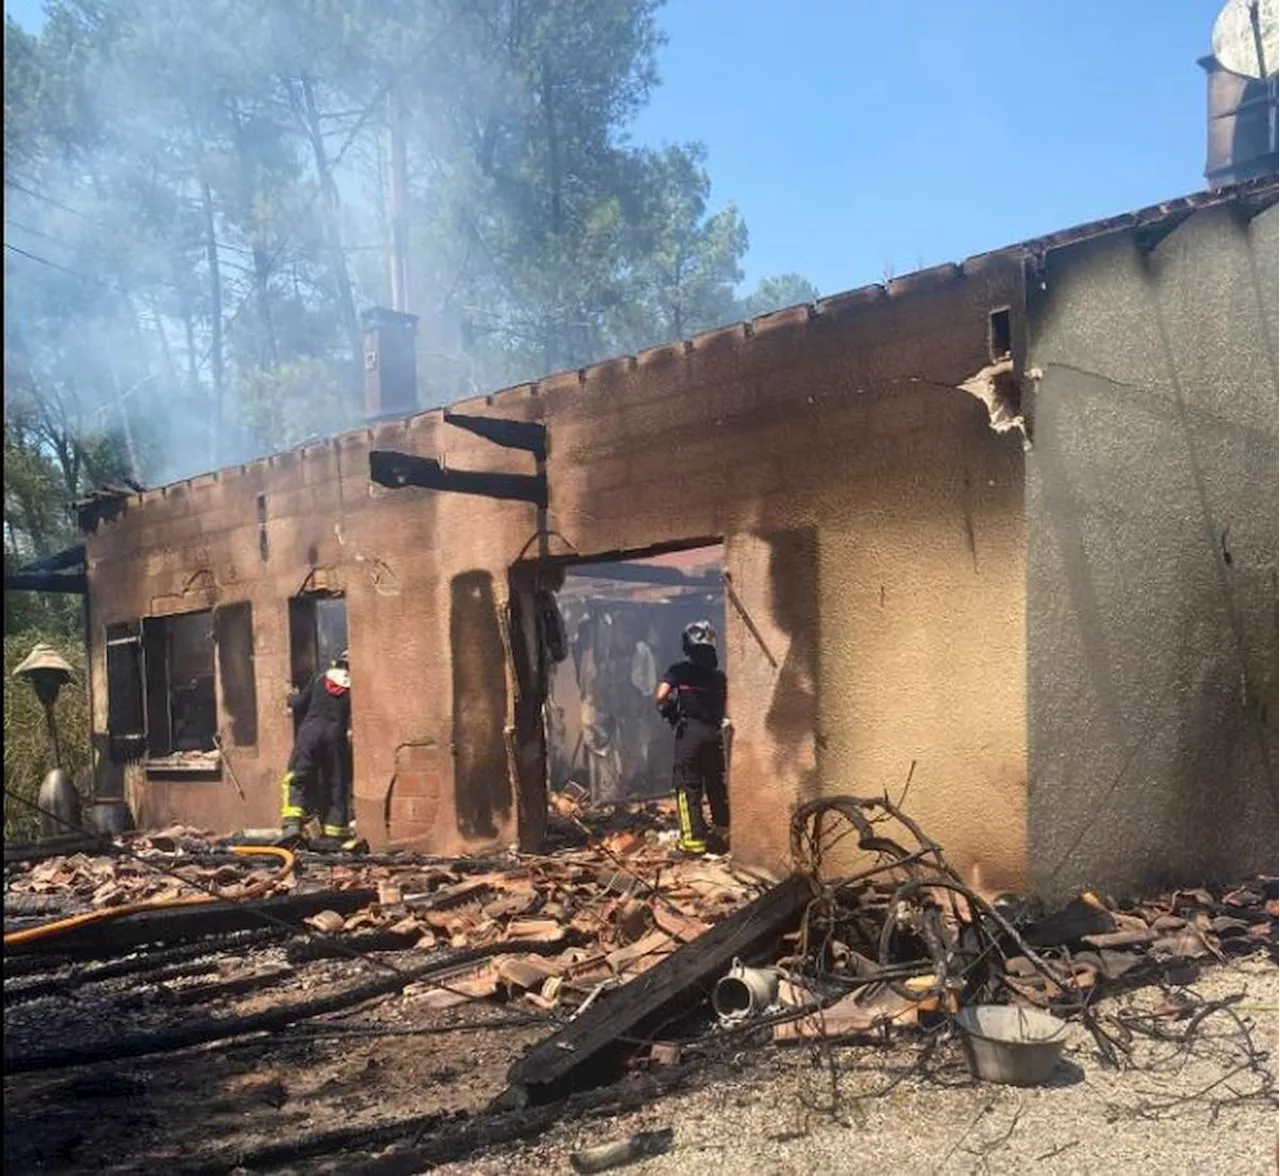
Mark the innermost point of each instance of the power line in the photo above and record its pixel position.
(64, 269)
(12, 183)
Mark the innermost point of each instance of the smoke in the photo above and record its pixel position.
(169, 275)
(197, 210)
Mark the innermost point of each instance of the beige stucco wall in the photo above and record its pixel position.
(1152, 513)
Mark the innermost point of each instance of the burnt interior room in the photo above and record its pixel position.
(623, 620)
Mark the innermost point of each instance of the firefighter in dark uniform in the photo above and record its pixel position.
(692, 697)
(319, 771)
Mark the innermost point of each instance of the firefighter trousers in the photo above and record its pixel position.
(700, 771)
(318, 780)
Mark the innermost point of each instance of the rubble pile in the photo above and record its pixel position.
(552, 931)
(79, 882)
(872, 933)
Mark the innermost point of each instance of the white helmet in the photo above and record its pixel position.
(700, 633)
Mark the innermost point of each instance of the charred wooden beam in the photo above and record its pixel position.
(75, 583)
(397, 470)
(587, 1052)
(637, 573)
(69, 559)
(186, 923)
(116, 1046)
(57, 846)
(248, 981)
(526, 435)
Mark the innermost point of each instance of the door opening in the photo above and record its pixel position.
(317, 634)
(623, 621)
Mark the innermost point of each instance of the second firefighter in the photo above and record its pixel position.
(692, 697)
(318, 778)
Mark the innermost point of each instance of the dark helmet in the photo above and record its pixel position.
(699, 635)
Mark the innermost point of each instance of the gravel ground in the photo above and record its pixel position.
(1176, 1110)
(765, 1110)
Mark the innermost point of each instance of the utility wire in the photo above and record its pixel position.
(64, 269)
(12, 183)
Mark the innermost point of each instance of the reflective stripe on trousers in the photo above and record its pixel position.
(289, 810)
(689, 841)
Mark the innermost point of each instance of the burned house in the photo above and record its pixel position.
(1002, 534)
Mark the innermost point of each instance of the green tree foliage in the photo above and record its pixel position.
(206, 188)
(198, 206)
(778, 293)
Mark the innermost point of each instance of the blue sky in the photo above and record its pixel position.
(860, 137)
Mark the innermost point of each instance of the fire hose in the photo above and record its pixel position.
(58, 926)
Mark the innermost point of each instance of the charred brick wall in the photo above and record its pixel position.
(1151, 585)
(874, 537)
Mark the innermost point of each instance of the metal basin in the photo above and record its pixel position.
(109, 818)
(1010, 1044)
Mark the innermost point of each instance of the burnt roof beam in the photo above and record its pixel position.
(73, 583)
(398, 470)
(644, 574)
(1149, 235)
(525, 435)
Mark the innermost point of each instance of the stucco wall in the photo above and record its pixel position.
(873, 532)
(1151, 580)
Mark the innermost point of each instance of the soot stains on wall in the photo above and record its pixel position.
(483, 788)
(792, 716)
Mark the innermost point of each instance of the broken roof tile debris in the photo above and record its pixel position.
(613, 945)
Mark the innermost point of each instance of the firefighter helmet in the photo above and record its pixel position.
(699, 634)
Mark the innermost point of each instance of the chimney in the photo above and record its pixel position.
(390, 363)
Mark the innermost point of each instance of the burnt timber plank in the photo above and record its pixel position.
(527, 435)
(397, 470)
(186, 923)
(586, 1051)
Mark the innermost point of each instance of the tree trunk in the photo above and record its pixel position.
(333, 225)
(215, 315)
(267, 355)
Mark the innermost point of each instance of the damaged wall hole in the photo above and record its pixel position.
(1000, 333)
(262, 527)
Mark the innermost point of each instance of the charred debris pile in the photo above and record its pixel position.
(635, 960)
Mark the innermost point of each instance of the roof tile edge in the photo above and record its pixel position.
(905, 286)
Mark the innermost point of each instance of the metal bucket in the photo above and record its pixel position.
(59, 802)
(110, 818)
(1010, 1044)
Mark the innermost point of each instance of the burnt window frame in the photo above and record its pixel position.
(126, 691)
(157, 641)
(235, 669)
(139, 679)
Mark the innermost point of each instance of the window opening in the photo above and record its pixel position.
(126, 706)
(1000, 333)
(182, 709)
